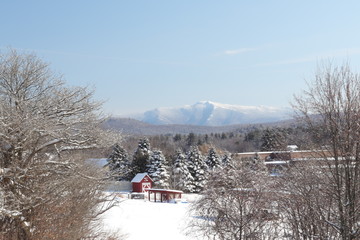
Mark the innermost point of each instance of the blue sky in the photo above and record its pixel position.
(139, 55)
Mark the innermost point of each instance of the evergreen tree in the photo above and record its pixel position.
(119, 164)
(177, 137)
(158, 169)
(213, 159)
(227, 161)
(197, 168)
(206, 138)
(182, 177)
(273, 139)
(190, 140)
(141, 157)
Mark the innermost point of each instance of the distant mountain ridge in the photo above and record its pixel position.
(207, 113)
(128, 126)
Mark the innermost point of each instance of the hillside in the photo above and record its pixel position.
(207, 113)
(135, 127)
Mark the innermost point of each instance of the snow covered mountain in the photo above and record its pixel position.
(206, 113)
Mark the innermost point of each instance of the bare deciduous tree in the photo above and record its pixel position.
(331, 105)
(304, 205)
(236, 204)
(44, 127)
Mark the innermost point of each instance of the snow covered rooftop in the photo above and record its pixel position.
(276, 162)
(139, 177)
(164, 190)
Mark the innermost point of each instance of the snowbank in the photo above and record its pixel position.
(141, 219)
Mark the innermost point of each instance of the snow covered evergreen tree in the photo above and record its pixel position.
(213, 159)
(119, 164)
(273, 139)
(158, 169)
(227, 161)
(141, 157)
(181, 174)
(197, 168)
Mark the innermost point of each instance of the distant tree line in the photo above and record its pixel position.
(252, 139)
(184, 161)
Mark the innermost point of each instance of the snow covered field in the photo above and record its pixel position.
(141, 219)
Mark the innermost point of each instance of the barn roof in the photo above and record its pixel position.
(139, 177)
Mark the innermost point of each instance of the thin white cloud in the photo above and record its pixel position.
(344, 53)
(239, 51)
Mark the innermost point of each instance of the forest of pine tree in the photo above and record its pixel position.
(184, 161)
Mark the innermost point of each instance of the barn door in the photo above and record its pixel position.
(146, 186)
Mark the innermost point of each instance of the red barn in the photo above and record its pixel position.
(141, 182)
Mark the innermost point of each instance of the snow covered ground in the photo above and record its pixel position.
(140, 219)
